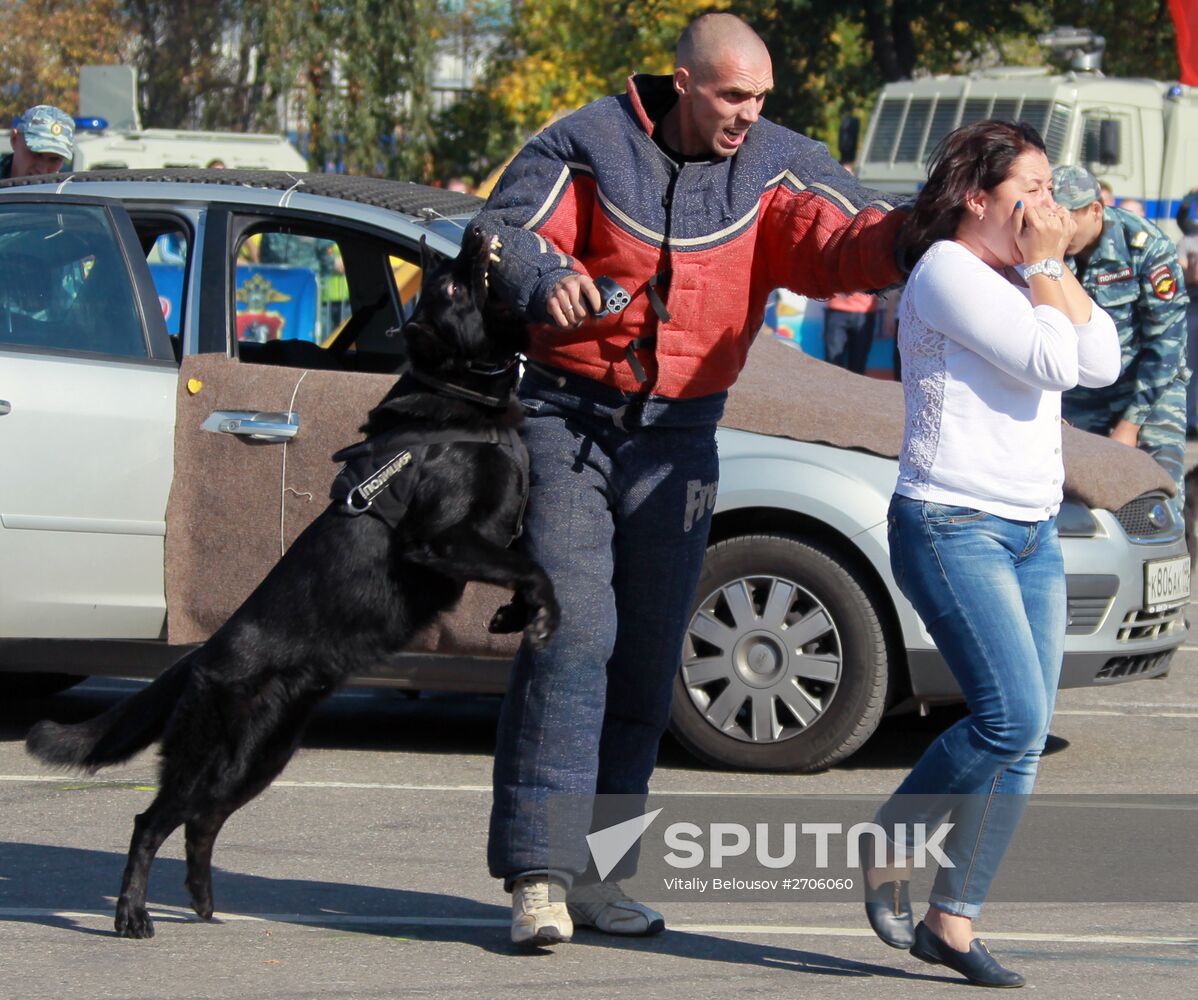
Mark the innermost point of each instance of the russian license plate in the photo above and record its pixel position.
(1166, 583)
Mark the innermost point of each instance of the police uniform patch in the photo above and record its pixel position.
(1105, 279)
(1138, 240)
(1163, 282)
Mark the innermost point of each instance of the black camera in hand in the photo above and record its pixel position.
(614, 297)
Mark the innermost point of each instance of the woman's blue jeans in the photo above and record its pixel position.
(619, 509)
(991, 592)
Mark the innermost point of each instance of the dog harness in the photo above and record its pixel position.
(380, 474)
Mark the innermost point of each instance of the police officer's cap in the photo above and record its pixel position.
(47, 129)
(1075, 187)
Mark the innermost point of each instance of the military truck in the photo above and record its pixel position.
(1140, 136)
(109, 136)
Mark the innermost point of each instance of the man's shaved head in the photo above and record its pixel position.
(710, 37)
(721, 75)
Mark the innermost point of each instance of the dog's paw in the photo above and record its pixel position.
(508, 619)
(543, 624)
(201, 900)
(133, 921)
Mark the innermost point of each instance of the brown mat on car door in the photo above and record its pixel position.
(787, 393)
(231, 513)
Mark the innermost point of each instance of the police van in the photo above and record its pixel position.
(99, 147)
(1139, 136)
(109, 136)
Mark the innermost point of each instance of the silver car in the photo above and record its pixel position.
(181, 352)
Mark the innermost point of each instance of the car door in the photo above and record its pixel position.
(87, 386)
(257, 423)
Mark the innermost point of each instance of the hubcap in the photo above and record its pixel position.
(763, 659)
(759, 659)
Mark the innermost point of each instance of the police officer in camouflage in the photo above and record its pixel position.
(1130, 268)
(43, 141)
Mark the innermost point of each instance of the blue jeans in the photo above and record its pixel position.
(848, 337)
(618, 516)
(991, 592)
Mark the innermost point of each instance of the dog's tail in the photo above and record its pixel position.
(116, 735)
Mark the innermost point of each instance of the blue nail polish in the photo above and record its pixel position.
(1019, 204)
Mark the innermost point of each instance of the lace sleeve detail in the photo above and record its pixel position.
(922, 350)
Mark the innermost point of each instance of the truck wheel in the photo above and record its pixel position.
(784, 666)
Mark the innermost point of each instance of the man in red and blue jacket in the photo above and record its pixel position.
(698, 208)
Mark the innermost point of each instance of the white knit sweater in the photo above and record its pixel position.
(983, 372)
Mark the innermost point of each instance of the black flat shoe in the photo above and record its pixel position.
(977, 965)
(888, 908)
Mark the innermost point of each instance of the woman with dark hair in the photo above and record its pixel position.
(992, 328)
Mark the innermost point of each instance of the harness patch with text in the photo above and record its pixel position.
(380, 474)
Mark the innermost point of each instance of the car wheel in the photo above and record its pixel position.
(33, 685)
(784, 666)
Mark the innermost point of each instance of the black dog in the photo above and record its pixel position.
(394, 550)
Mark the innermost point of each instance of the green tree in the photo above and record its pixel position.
(200, 63)
(41, 66)
(389, 49)
(471, 135)
(179, 57)
(555, 56)
(356, 74)
(1140, 37)
(565, 53)
(832, 56)
(847, 49)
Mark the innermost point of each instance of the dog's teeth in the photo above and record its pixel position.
(495, 257)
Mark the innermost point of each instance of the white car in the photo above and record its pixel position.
(181, 352)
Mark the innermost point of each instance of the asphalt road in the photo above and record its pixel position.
(360, 873)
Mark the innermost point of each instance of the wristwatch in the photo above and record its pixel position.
(1050, 267)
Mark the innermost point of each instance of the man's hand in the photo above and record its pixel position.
(567, 305)
(1125, 432)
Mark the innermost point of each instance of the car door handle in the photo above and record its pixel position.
(5, 407)
(273, 427)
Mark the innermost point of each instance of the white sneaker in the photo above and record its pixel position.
(604, 906)
(537, 919)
